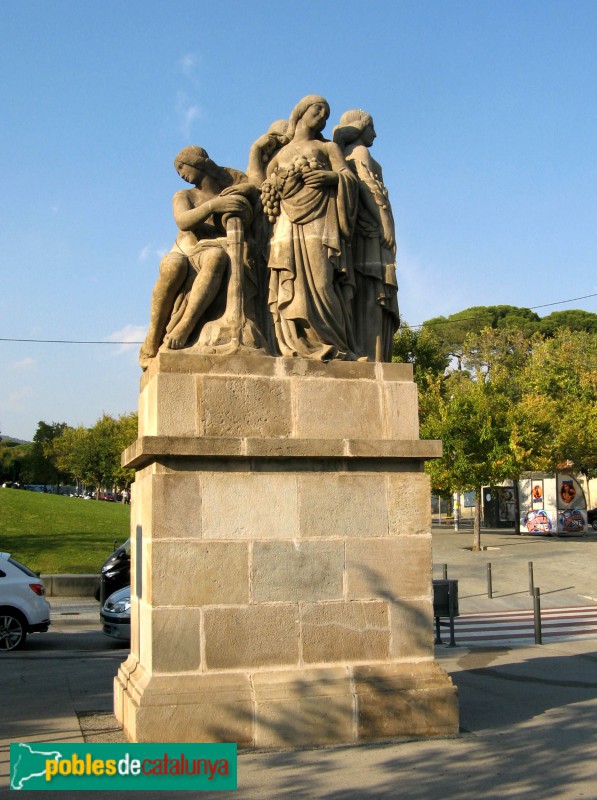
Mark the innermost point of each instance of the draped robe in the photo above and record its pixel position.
(311, 277)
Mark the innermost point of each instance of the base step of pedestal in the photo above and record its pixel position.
(288, 708)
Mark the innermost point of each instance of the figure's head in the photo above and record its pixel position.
(355, 124)
(279, 127)
(192, 163)
(315, 108)
(277, 138)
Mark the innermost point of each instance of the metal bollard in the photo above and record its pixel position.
(531, 579)
(537, 615)
(489, 582)
(445, 571)
(452, 609)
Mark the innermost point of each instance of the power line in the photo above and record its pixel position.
(412, 327)
(65, 341)
(473, 319)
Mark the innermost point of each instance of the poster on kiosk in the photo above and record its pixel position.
(553, 505)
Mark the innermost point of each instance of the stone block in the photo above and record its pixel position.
(400, 700)
(389, 568)
(312, 721)
(298, 684)
(338, 409)
(261, 505)
(395, 372)
(244, 406)
(143, 412)
(135, 626)
(340, 632)
(295, 448)
(401, 409)
(409, 504)
(342, 505)
(428, 712)
(412, 628)
(295, 571)
(399, 676)
(199, 573)
(175, 639)
(302, 707)
(200, 364)
(176, 506)
(312, 368)
(142, 572)
(176, 405)
(187, 708)
(204, 722)
(150, 407)
(253, 636)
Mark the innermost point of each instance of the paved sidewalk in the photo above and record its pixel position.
(563, 568)
(74, 610)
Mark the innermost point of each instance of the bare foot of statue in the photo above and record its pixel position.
(177, 338)
(146, 355)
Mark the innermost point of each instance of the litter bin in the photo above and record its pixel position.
(445, 604)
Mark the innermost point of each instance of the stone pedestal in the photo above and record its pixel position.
(281, 589)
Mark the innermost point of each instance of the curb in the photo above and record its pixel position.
(70, 585)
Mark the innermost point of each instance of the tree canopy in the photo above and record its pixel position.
(452, 331)
(505, 398)
(60, 453)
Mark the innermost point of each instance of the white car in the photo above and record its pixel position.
(115, 614)
(23, 605)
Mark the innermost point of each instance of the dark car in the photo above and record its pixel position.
(115, 573)
(592, 518)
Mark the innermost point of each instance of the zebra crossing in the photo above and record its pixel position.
(517, 627)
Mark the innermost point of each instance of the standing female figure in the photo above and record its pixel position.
(310, 197)
(375, 308)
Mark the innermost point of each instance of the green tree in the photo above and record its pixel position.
(41, 464)
(422, 348)
(92, 455)
(499, 355)
(106, 441)
(127, 426)
(471, 417)
(72, 452)
(13, 460)
(573, 319)
(556, 420)
(517, 404)
(452, 331)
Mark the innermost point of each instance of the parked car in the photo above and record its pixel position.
(115, 573)
(23, 605)
(116, 615)
(592, 518)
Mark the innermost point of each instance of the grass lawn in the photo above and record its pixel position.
(54, 534)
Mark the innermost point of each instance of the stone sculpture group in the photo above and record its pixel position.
(295, 257)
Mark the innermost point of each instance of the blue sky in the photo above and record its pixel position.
(486, 114)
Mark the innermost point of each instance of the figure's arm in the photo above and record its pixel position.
(325, 177)
(189, 216)
(373, 195)
(336, 156)
(261, 154)
(245, 188)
